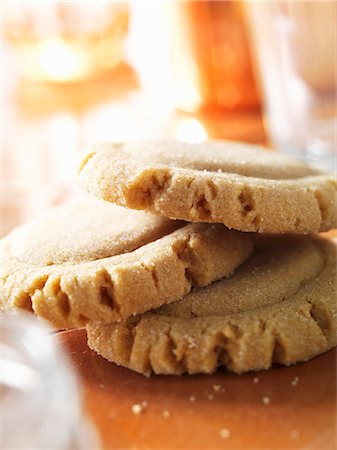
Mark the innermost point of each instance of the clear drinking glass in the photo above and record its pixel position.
(295, 47)
(40, 405)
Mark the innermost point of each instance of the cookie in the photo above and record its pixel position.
(242, 186)
(278, 307)
(93, 261)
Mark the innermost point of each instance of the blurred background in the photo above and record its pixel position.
(78, 72)
(73, 73)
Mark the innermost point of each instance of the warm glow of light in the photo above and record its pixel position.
(187, 96)
(148, 50)
(190, 130)
(114, 122)
(53, 59)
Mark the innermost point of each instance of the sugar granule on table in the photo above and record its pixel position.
(138, 408)
(266, 400)
(224, 433)
(166, 414)
(295, 381)
(294, 434)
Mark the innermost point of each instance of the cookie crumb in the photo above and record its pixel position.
(192, 398)
(294, 434)
(255, 380)
(191, 342)
(166, 414)
(295, 381)
(224, 433)
(210, 397)
(137, 408)
(216, 387)
(266, 400)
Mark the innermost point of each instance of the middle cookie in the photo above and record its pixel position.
(93, 261)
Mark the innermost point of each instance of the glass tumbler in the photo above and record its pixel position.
(40, 405)
(295, 47)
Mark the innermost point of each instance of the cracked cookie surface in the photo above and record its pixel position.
(242, 186)
(93, 261)
(279, 306)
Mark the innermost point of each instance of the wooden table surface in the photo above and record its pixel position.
(301, 413)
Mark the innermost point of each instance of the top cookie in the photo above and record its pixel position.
(93, 261)
(242, 186)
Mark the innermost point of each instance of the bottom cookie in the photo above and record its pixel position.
(278, 307)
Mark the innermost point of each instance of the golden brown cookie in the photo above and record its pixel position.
(278, 307)
(242, 186)
(95, 261)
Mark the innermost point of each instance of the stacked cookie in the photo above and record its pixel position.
(199, 278)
